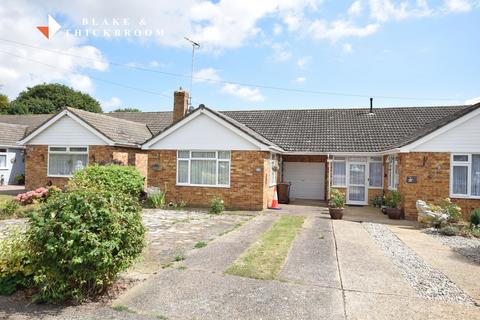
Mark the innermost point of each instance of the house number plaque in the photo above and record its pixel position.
(412, 179)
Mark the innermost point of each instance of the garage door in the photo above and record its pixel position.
(307, 178)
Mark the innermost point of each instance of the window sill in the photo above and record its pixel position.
(202, 185)
(58, 176)
(376, 188)
(460, 196)
(338, 186)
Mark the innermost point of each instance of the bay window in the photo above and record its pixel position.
(393, 173)
(203, 168)
(465, 175)
(64, 161)
(339, 172)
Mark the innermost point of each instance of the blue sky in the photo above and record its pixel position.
(423, 52)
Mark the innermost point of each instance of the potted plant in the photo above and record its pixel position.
(20, 178)
(392, 201)
(377, 201)
(336, 204)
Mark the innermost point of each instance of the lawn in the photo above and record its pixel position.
(4, 197)
(265, 258)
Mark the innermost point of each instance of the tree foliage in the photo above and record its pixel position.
(127, 110)
(4, 104)
(51, 98)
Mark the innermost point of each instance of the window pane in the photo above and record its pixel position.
(182, 171)
(339, 174)
(203, 154)
(79, 161)
(184, 154)
(339, 158)
(476, 175)
(223, 154)
(3, 161)
(460, 158)
(62, 149)
(60, 164)
(203, 172)
(375, 158)
(223, 172)
(357, 174)
(357, 159)
(376, 174)
(460, 178)
(78, 149)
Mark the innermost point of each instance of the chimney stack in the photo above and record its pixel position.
(371, 105)
(180, 104)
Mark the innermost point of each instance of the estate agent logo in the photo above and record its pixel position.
(52, 28)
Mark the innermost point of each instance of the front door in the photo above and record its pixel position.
(357, 186)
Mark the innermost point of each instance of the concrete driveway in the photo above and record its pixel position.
(334, 270)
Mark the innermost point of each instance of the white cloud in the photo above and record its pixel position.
(458, 5)
(300, 79)
(339, 29)
(114, 102)
(277, 29)
(384, 10)
(347, 48)
(281, 51)
(18, 19)
(303, 62)
(473, 100)
(206, 75)
(155, 64)
(356, 8)
(242, 92)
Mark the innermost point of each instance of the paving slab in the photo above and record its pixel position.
(312, 257)
(363, 265)
(453, 265)
(371, 306)
(223, 251)
(198, 294)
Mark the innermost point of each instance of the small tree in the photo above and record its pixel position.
(127, 110)
(51, 98)
(4, 104)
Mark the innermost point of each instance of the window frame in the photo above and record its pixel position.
(189, 159)
(65, 152)
(468, 165)
(340, 159)
(380, 161)
(4, 154)
(393, 177)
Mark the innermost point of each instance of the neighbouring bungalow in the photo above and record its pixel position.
(427, 153)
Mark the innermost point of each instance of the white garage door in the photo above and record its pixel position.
(307, 178)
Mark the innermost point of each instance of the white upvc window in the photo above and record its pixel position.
(3, 158)
(203, 168)
(375, 172)
(393, 173)
(273, 174)
(465, 175)
(339, 172)
(64, 161)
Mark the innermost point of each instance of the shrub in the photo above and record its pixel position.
(475, 218)
(337, 199)
(394, 199)
(377, 201)
(82, 239)
(9, 208)
(453, 211)
(216, 205)
(449, 231)
(33, 196)
(15, 265)
(115, 178)
(156, 198)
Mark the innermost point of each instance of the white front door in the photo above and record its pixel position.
(357, 192)
(307, 179)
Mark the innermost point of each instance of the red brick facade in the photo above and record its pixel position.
(249, 188)
(36, 162)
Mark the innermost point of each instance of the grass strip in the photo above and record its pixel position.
(264, 259)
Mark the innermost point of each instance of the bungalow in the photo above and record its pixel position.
(425, 153)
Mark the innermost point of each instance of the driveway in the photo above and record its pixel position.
(334, 270)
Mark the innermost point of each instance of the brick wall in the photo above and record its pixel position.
(433, 181)
(248, 188)
(36, 162)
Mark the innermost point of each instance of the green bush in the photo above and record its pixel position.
(337, 199)
(115, 178)
(394, 199)
(156, 198)
(15, 266)
(453, 211)
(83, 238)
(449, 231)
(8, 209)
(216, 206)
(475, 218)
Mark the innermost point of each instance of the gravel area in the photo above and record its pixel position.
(429, 283)
(468, 247)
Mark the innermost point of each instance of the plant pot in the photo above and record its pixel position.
(394, 213)
(384, 211)
(336, 213)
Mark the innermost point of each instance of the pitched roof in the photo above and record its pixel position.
(155, 121)
(31, 121)
(10, 134)
(118, 130)
(347, 130)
